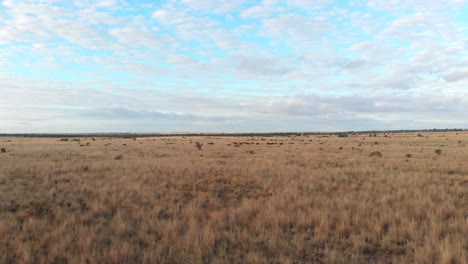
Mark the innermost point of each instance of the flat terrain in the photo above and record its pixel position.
(392, 198)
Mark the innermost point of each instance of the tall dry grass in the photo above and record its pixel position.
(316, 199)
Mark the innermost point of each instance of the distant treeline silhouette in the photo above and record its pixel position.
(226, 134)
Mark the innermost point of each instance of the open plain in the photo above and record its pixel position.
(358, 198)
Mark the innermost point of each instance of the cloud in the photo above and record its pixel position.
(120, 113)
(261, 66)
(214, 5)
(456, 76)
(296, 26)
(161, 15)
(140, 37)
(264, 10)
(43, 23)
(314, 105)
(395, 5)
(232, 65)
(317, 4)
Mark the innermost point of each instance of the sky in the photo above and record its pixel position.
(73, 66)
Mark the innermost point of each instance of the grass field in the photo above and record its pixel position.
(392, 198)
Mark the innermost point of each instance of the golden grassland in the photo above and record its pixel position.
(304, 199)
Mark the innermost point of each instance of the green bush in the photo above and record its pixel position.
(375, 154)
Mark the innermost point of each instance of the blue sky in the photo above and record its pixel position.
(232, 66)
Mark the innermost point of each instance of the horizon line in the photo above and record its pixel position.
(251, 133)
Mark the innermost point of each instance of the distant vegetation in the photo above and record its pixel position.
(198, 145)
(246, 134)
(375, 154)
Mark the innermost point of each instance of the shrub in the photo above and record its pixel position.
(375, 154)
(408, 155)
(64, 139)
(2, 150)
(118, 157)
(438, 151)
(198, 145)
(420, 135)
(343, 135)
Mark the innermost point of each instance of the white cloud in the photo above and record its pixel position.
(264, 10)
(232, 64)
(316, 4)
(161, 15)
(295, 26)
(111, 4)
(214, 6)
(140, 37)
(456, 76)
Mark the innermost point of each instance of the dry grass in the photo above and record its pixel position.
(282, 199)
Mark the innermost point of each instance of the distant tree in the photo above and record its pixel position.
(198, 145)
